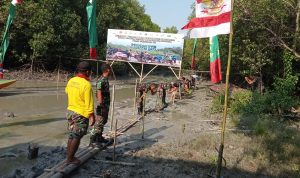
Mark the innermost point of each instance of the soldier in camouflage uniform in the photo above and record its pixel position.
(142, 91)
(102, 109)
(163, 94)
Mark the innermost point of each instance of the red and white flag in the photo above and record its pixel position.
(15, 2)
(212, 18)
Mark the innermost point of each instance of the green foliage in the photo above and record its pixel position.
(248, 103)
(217, 105)
(47, 29)
(282, 98)
(202, 54)
(172, 29)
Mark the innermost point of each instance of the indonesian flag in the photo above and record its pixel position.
(5, 40)
(15, 2)
(215, 60)
(212, 18)
(92, 28)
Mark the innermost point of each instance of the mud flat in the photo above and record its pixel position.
(179, 141)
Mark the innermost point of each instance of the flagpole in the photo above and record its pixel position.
(221, 148)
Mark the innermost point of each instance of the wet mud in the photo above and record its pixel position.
(39, 117)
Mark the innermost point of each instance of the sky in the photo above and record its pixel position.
(167, 13)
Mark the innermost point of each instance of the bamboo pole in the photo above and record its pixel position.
(179, 75)
(134, 69)
(112, 108)
(115, 140)
(61, 164)
(135, 98)
(112, 70)
(141, 75)
(174, 72)
(68, 169)
(149, 72)
(143, 116)
(97, 72)
(58, 70)
(221, 148)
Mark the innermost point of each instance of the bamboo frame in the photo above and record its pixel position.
(149, 72)
(134, 69)
(174, 72)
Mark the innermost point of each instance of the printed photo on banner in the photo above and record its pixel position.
(163, 49)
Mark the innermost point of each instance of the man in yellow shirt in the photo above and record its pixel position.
(80, 109)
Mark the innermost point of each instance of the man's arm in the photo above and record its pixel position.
(89, 104)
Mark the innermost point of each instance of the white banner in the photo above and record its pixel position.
(163, 49)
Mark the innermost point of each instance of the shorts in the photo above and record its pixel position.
(77, 125)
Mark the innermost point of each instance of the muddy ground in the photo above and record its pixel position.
(179, 141)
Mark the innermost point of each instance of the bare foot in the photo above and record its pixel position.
(73, 161)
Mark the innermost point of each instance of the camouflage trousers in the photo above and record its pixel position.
(77, 125)
(101, 120)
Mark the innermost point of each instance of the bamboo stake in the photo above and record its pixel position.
(58, 70)
(115, 140)
(135, 98)
(179, 75)
(220, 155)
(97, 73)
(143, 116)
(112, 108)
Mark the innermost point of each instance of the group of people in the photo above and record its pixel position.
(80, 111)
(163, 89)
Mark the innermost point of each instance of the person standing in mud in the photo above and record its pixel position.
(102, 109)
(141, 95)
(162, 92)
(80, 109)
(142, 91)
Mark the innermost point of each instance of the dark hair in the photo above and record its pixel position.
(105, 67)
(84, 66)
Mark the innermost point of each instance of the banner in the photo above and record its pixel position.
(212, 18)
(163, 49)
